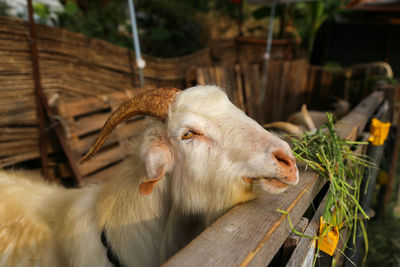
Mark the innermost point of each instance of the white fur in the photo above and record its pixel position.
(45, 225)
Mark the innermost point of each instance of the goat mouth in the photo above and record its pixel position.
(271, 181)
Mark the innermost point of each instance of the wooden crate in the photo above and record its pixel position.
(83, 119)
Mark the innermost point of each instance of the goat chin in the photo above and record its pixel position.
(189, 182)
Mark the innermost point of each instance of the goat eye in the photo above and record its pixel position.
(187, 135)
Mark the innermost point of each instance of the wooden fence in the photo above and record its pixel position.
(291, 84)
(252, 233)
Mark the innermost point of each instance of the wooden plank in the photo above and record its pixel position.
(292, 241)
(274, 74)
(284, 89)
(18, 133)
(248, 92)
(68, 109)
(88, 124)
(102, 159)
(251, 233)
(18, 158)
(360, 115)
(122, 132)
(200, 76)
(393, 95)
(238, 237)
(296, 206)
(299, 81)
(255, 83)
(72, 108)
(239, 88)
(16, 147)
(304, 246)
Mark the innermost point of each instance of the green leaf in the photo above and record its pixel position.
(71, 9)
(41, 10)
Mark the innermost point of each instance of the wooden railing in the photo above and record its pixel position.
(250, 234)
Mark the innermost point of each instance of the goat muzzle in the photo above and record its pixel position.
(153, 103)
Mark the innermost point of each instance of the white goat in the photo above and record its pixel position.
(206, 157)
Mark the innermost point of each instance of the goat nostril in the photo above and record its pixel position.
(282, 158)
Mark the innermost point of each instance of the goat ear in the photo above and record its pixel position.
(158, 161)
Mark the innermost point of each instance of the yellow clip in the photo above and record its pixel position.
(329, 237)
(378, 132)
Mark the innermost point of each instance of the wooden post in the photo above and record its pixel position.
(38, 90)
(394, 96)
(43, 105)
(292, 240)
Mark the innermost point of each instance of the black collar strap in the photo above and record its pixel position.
(110, 254)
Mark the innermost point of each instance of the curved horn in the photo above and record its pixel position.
(307, 118)
(285, 126)
(153, 103)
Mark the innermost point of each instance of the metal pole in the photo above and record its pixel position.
(267, 54)
(139, 61)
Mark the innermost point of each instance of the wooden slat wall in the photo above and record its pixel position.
(251, 233)
(290, 84)
(286, 88)
(248, 50)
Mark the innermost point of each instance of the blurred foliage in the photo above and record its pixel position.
(309, 17)
(374, 80)
(306, 17)
(42, 11)
(172, 28)
(99, 19)
(167, 28)
(4, 8)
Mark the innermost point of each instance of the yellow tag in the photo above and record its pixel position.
(378, 132)
(328, 240)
